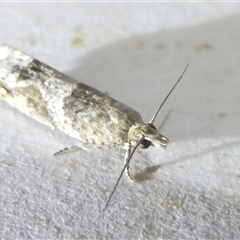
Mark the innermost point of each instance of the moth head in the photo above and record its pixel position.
(150, 134)
(144, 135)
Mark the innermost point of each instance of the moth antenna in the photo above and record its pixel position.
(124, 168)
(156, 113)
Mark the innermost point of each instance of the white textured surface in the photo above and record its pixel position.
(135, 52)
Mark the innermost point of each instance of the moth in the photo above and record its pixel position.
(58, 101)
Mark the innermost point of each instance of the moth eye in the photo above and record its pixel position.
(152, 126)
(145, 143)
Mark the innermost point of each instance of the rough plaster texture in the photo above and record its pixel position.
(134, 52)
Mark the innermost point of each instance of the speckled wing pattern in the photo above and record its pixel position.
(56, 100)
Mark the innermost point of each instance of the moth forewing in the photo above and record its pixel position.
(54, 99)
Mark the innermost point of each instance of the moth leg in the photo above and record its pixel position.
(4, 92)
(67, 150)
(128, 152)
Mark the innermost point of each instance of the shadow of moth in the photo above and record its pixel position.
(58, 101)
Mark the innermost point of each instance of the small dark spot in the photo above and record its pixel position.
(78, 111)
(24, 73)
(77, 36)
(77, 41)
(16, 69)
(203, 46)
(36, 66)
(159, 46)
(221, 114)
